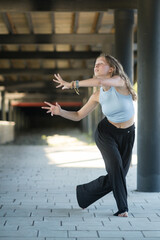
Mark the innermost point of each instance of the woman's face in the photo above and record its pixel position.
(102, 68)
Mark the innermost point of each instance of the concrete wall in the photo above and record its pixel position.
(6, 131)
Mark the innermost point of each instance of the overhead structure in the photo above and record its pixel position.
(40, 38)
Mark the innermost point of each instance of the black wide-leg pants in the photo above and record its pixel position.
(115, 145)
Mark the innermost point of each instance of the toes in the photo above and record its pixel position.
(125, 214)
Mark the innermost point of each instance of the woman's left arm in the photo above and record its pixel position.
(115, 81)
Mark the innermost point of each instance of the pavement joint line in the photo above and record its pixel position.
(98, 234)
(43, 199)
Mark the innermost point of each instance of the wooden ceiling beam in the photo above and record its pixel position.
(49, 55)
(9, 23)
(53, 22)
(25, 86)
(73, 39)
(62, 71)
(42, 88)
(98, 22)
(30, 22)
(64, 6)
(75, 22)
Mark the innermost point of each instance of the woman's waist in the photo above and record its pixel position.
(123, 125)
(106, 126)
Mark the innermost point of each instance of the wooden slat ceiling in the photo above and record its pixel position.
(36, 44)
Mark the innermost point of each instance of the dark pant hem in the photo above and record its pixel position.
(79, 198)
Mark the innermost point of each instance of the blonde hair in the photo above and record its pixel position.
(118, 70)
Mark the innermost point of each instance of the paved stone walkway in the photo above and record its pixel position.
(37, 197)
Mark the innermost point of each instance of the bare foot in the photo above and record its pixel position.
(125, 214)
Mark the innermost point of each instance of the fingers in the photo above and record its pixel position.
(50, 112)
(45, 108)
(55, 80)
(57, 76)
(57, 104)
(64, 87)
(49, 104)
(60, 85)
(50, 108)
(58, 79)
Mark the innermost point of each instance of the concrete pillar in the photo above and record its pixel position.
(148, 173)
(10, 111)
(17, 118)
(3, 106)
(22, 120)
(124, 20)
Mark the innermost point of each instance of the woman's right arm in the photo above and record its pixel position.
(74, 115)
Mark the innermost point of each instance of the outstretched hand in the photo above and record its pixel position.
(52, 109)
(61, 82)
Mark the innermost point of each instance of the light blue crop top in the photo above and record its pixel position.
(115, 106)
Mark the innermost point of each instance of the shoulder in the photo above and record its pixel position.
(115, 81)
(121, 86)
(120, 81)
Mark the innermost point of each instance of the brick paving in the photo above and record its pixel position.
(37, 197)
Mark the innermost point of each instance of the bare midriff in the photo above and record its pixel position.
(126, 124)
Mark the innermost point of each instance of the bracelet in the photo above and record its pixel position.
(77, 84)
(72, 84)
(76, 89)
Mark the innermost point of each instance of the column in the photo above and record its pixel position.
(3, 106)
(10, 111)
(124, 20)
(148, 173)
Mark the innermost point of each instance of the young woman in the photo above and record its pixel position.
(115, 133)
